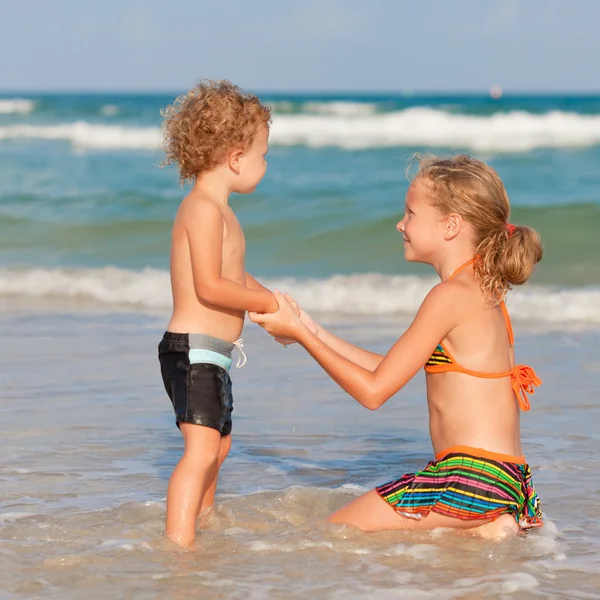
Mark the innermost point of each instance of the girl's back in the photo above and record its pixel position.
(469, 409)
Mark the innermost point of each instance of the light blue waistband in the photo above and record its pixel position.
(203, 355)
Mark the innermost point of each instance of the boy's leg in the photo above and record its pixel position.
(190, 480)
(209, 495)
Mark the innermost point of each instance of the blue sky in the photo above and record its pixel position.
(320, 45)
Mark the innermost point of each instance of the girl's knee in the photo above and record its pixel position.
(501, 528)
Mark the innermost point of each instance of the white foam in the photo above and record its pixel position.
(353, 487)
(545, 542)
(416, 551)
(20, 106)
(501, 583)
(108, 285)
(357, 126)
(11, 517)
(376, 294)
(235, 531)
(281, 106)
(516, 131)
(84, 135)
(369, 294)
(263, 546)
(109, 110)
(340, 109)
(154, 504)
(126, 545)
(15, 471)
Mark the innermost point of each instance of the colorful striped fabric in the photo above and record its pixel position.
(466, 486)
(439, 357)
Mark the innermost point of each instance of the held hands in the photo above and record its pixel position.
(305, 318)
(287, 323)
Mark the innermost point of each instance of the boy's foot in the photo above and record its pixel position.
(204, 517)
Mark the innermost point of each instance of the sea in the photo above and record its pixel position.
(88, 436)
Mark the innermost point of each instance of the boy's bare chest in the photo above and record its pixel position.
(234, 243)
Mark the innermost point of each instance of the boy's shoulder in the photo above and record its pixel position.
(199, 206)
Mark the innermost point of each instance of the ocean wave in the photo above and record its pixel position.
(365, 294)
(342, 108)
(20, 106)
(515, 131)
(86, 135)
(109, 110)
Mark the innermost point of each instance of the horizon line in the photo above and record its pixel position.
(308, 92)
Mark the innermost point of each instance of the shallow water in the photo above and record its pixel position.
(89, 443)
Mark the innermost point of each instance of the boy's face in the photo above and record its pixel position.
(253, 164)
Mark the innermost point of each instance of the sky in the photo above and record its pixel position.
(305, 45)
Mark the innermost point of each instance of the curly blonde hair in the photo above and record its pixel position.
(505, 256)
(202, 126)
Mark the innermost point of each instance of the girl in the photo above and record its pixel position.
(456, 220)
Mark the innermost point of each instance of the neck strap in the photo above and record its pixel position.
(462, 268)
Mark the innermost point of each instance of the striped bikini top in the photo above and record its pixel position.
(523, 378)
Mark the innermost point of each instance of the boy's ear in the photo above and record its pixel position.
(235, 160)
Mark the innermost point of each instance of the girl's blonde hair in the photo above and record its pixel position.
(505, 255)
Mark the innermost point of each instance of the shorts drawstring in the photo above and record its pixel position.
(239, 344)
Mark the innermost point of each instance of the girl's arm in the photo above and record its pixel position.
(436, 317)
(359, 356)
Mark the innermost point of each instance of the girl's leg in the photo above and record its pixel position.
(503, 527)
(190, 480)
(209, 496)
(370, 512)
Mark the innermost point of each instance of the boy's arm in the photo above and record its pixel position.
(252, 284)
(205, 238)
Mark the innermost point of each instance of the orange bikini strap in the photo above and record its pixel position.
(462, 268)
(524, 381)
(511, 337)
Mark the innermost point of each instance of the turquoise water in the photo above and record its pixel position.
(81, 190)
(89, 444)
(89, 440)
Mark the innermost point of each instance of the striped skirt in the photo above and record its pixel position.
(468, 483)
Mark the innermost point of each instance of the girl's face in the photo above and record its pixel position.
(422, 226)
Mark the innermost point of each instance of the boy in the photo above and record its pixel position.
(218, 135)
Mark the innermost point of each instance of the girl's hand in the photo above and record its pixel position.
(285, 323)
(304, 318)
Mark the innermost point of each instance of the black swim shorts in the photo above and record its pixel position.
(194, 370)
